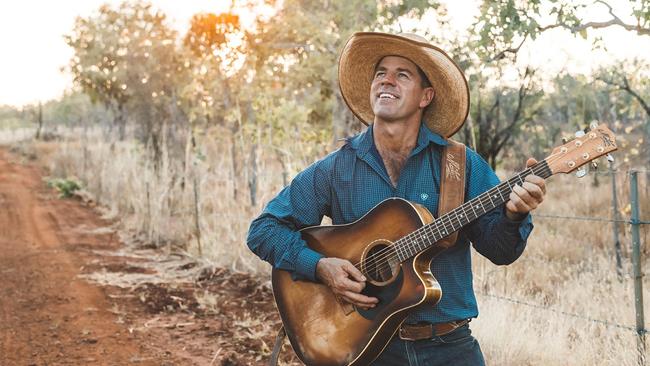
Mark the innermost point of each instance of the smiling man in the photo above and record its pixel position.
(413, 97)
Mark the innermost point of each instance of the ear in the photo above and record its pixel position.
(427, 97)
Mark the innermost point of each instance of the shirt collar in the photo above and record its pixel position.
(363, 141)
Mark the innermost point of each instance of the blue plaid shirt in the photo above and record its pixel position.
(349, 182)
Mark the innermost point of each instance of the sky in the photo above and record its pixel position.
(33, 50)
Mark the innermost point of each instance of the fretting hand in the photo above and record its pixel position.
(526, 197)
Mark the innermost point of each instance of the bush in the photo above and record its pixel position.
(65, 187)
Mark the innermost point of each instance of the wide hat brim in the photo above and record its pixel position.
(450, 106)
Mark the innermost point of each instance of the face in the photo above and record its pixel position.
(396, 92)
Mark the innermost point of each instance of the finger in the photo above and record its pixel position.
(522, 193)
(359, 299)
(346, 284)
(516, 204)
(534, 190)
(354, 272)
(530, 162)
(538, 181)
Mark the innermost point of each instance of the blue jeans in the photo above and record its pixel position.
(457, 348)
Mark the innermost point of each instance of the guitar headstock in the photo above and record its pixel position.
(595, 143)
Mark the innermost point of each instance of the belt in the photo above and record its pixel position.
(416, 332)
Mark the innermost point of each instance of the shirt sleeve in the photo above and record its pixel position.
(274, 236)
(493, 235)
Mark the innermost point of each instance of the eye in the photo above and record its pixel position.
(379, 74)
(403, 75)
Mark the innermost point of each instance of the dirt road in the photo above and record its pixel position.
(72, 294)
(48, 315)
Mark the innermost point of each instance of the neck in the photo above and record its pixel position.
(395, 136)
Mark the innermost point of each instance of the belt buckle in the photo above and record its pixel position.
(401, 333)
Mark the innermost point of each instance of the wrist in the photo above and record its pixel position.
(515, 216)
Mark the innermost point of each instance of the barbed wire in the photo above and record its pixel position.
(561, 312)
(589, 218)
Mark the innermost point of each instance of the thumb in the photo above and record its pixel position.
(530, 162)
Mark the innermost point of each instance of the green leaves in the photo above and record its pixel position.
(66, 187)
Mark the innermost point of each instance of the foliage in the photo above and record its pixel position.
(66, 187)
(504, 25)
(126, 59)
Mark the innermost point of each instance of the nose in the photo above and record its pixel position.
(389, 79)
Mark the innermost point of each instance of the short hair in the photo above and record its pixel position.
(424, 80)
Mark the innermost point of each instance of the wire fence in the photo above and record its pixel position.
(560, 312)
(635, 222)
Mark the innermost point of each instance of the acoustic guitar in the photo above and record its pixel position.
(393, 246)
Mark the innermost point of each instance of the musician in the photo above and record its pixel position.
(413, 97)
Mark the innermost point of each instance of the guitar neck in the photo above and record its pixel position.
(427, 236)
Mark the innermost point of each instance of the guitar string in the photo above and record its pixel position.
(388, 253)
(444, 226)
(384, 256)
(391, 252)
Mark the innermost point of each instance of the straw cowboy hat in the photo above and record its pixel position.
(450, 105)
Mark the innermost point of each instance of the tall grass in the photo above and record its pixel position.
(536, 311)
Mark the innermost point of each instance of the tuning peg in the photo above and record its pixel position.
(593, 125)
(582, 171)
(610, 158)
(566, 139)
(594, 164)
(580, 133)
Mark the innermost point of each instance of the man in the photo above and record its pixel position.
(413, 96)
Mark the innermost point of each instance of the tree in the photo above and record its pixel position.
(126, 58)
(308, 35)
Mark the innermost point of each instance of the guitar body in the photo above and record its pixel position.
(324, 330)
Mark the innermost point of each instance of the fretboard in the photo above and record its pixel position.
(454, 220)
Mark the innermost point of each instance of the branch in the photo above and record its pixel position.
(626, 87)
(614, 21)
(512, 50)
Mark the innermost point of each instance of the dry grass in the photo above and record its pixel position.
(567, 268)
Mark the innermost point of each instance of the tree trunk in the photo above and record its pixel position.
(344, 123)
(39, 120)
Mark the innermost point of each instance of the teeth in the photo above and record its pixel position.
(386, 95)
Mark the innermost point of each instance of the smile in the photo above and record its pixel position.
(387, 96)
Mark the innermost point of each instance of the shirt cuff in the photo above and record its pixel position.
(306, 264)
(523, 227)
(511, 222)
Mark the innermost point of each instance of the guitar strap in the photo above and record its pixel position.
(277, 347)
(452, 184)
(452, 195)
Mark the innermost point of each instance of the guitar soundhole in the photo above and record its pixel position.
(380, 263)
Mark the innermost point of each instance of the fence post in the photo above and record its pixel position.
(636, 261)
(617, 242)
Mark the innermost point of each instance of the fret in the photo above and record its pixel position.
(443, 226)
(451, 224)
(407, 249)
(460, 215)
(396, 249)
(437, 228)
(500, 194)
(480, 205)
(471, 205)
(460, 224)
(428, 238)
(491, 202)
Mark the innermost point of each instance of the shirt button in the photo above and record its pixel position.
(424, 196)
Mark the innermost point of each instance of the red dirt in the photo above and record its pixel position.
(51, 316)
